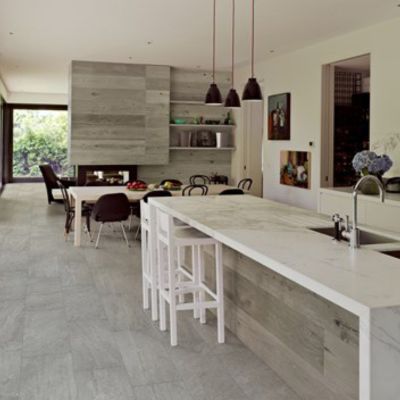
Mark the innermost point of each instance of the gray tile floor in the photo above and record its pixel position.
(72, 326)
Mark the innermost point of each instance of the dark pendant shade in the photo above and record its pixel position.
(252, 91)
(213, 96)
(232, 100)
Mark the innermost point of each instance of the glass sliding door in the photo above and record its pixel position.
(39, 137)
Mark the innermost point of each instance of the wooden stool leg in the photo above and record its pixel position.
(196, 281)
(161, 280)
(220, 292)
(179, 254)
(145, 271)
(202, 295)
(172, 297)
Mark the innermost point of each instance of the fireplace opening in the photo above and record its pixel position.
(106, 174)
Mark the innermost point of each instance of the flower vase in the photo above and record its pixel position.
(370, 187)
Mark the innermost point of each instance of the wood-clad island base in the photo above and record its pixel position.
(309, 341)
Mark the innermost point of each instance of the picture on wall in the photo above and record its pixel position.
(279, 117)
(296, 168)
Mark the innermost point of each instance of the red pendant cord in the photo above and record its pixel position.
(214, 12)
(233, 41)
(252, 40)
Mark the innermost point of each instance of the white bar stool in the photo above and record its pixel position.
(170, 241)
(149, 268)
(149, 260)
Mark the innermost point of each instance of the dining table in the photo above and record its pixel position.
(90, 194)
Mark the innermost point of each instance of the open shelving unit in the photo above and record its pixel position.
(202, 148)
(190, 110)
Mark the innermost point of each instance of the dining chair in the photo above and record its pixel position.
(111, 208)
(173, 181)
(70, 212)
(202, 189)
(231, 191)
(245, 184)
(199, 179)
(51, 182)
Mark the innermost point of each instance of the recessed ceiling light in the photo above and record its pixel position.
(130, 57)
(11, 33)
(149, 42)
(272, 51)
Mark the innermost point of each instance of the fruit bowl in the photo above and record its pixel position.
(173, 188)
(136, 186)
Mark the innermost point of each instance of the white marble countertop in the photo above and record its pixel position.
(276, 236)
(390, 198)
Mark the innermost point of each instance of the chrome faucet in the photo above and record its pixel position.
(352, 232)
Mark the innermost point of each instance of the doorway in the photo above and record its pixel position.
(346, 125)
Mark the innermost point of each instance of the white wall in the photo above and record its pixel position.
(3, 90)
(299, 73)
(38, 98)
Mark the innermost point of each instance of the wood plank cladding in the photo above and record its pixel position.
(119, 114)
(187, 84)
(310, 342)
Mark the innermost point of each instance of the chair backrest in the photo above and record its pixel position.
(173, 181)
(65, 196)
(156, 193)
(199, 179)
(202, 189)
(245, 184)
(231, 191)
(49, 177)
(111, 208)
(165, 227)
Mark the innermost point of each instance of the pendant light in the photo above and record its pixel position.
(213, 96)
(232, 100)
(252, 90)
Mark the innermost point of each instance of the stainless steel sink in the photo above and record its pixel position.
(365, 237)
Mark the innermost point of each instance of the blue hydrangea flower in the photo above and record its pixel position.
(369, 162)
(363, 160)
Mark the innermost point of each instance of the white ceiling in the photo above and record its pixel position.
(48, 34)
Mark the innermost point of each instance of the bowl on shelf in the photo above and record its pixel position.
(179, 121)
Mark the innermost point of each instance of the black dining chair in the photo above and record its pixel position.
(155, 193)
(201, 189)
(199, 180)
(231, 191)
(111, 208)
(70, 212)
(51, 182)
(173, 181)
(245, 184)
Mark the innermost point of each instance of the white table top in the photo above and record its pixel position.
(276, 236)
(92, 193)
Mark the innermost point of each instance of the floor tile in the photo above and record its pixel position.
(83, 302)
(93, 345)
(45, 332)
(10, 369)
(11, 324)
(106, 383)
(48, 377)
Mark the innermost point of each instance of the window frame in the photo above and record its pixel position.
(9, 137)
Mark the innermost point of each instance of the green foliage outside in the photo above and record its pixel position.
(40, 137)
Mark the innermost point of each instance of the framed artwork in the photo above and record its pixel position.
(279, 117)
(295, 169)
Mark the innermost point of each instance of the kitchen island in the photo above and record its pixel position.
(326, 317)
